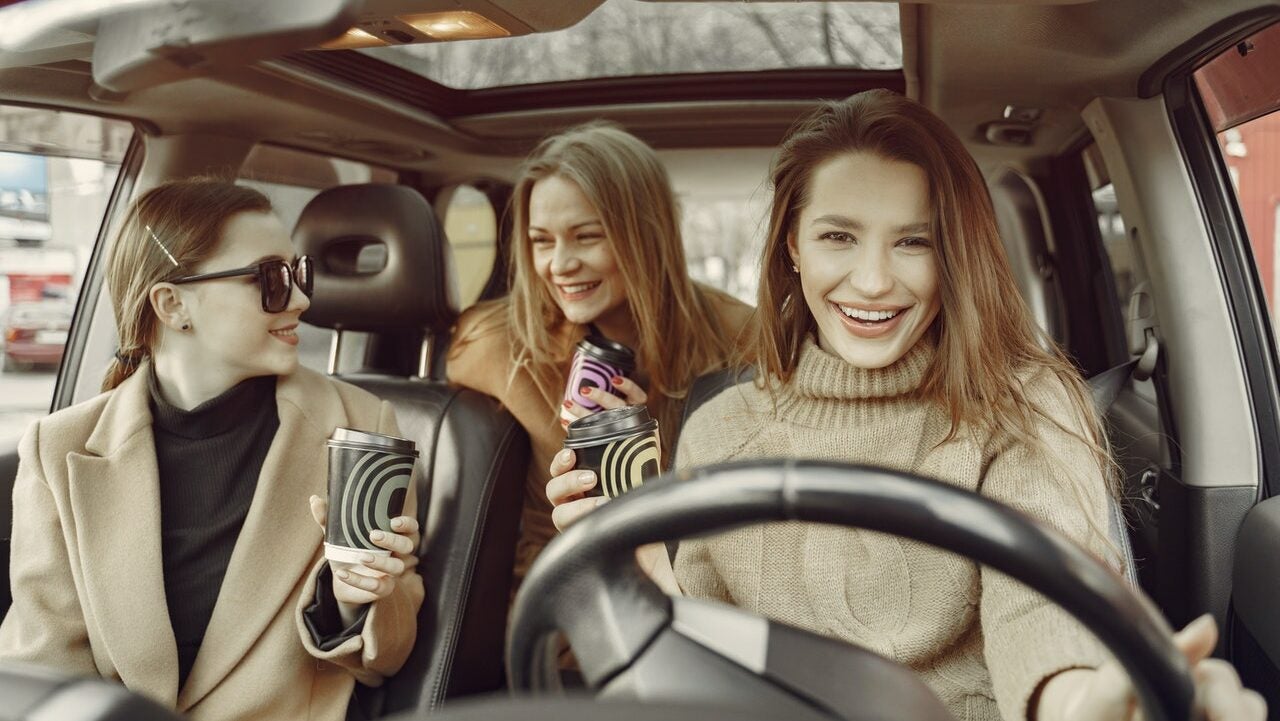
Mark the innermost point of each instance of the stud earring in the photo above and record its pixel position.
(795, 268)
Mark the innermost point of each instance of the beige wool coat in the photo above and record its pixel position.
(87, 577)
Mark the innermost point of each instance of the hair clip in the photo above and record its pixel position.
(162, 248)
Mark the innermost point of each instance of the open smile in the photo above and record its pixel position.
(866, 322)
(288, 334)
(577, 291)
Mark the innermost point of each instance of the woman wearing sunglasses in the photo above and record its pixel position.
(167, 534)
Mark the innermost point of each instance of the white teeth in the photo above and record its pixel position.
(571, 289)
(283, 332)
(874, 316)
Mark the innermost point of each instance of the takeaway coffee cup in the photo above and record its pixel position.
(596, 360)
(369, 476)
(621, 445)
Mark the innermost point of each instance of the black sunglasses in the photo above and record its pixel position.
(275, 277)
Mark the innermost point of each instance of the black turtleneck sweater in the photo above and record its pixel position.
(209, 460)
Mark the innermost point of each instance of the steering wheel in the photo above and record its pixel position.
(632, 641)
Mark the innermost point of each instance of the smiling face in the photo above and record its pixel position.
(571, 253)
(867, 263)
(235, 339)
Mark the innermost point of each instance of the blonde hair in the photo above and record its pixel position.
(986, 339)
(626, 182)
(167, 231)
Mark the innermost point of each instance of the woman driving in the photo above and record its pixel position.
(891, 333)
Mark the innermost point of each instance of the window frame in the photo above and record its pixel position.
(1197, 140)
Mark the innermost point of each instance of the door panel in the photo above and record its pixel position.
(1255, 633)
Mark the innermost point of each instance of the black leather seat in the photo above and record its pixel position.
(1104, 387)
(474, 454)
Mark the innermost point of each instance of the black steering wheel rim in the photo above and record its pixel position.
(589, 571)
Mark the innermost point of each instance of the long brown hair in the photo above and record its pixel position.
(987, 340)
(167, 231)
(675, 321)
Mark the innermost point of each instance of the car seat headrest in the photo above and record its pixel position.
(381, 260)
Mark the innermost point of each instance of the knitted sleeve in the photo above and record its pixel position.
(1027, 638)
(715, 433)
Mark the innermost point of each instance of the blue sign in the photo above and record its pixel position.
(24, 186)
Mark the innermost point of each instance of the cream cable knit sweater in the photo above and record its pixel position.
(981, 641)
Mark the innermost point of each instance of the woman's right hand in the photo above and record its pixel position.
(566, 490)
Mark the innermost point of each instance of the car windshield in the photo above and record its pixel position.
(627, 38)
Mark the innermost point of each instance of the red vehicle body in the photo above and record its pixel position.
(35, 333)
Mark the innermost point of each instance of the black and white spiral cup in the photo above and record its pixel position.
(369, 476)
(620, 445)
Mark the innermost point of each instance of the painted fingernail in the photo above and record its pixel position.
(586, 391)
(568, 404)
(586, 478)
(616, 380)
(377, 535)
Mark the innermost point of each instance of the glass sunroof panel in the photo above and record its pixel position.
(626, 38)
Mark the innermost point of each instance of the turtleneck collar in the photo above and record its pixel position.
(827, 391)
(216, 415)
(820, 374)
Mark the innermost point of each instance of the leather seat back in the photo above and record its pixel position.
(473, 452)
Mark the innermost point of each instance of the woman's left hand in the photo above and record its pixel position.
(1105, 694)
(632, 395)
(375, 577)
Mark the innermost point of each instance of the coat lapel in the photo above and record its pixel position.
(279, 542)
(115, 498)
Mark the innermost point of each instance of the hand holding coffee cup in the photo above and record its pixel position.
(375, 576)
(598, 379)
(631, 395)
(567, 490)
(613, 451)
(368, 542)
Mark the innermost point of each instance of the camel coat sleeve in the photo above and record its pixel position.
(45, 625)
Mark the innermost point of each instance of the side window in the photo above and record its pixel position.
(57, 171)
(1241, 94)
(291, 178)
(471, 224)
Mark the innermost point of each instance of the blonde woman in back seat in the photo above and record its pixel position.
(596, 240)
